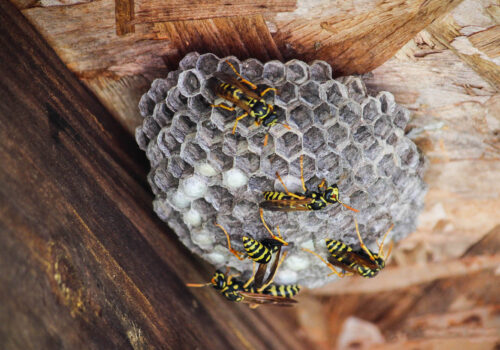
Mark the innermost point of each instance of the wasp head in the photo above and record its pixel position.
(332, 194)
(218, 280)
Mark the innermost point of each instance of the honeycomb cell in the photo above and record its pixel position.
(408, 153)
(350, 113)
(297, 72)
(150, 128)
(352, 154)
(159, 89)
(199, 105)
(363, 135)
(141, 139)
(387, 103)
(374, 151)
(182, 126)
(320, 71)
(193, 187)
(189, 61)
(224, 67)
(167, 143)
(189, 83)
(301, 117)
(288, 145)
(178, 167)
(359, 200)
(206, 64)
(207, 89)
(247, 162)
(252, 69)
(173, 76)
(309, 166)
(386, 165)
(337, 135)
(401, 117)
(336, 93)
(287, 94)
(260, 184)
(365, 175)
(146, 105)
(156, 191)
(392, 139)
(154, 154)
(162, 208)
(234, 179)
(163, 179)
(191, 151)
(162, 115)
(273, 163)
(244, 210)
(313, 139)
(329, 164)
(256, 142)
(223, 118)
(382, 127)
(371, 109)
(208, 134)
(324, 115)
(309, 94)
(356, 89)
(274, 72)
(175, 100)
(204, 208)
(220, 198)
(219, 160)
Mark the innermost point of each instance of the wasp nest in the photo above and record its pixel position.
(203, 174)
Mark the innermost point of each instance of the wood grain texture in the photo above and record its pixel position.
(85, 263)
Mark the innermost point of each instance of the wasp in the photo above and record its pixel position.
(234, 290)
(309, 200)
(261, 252)
(247, 96)
(363, 262)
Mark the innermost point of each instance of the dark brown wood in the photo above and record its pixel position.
(84, 262)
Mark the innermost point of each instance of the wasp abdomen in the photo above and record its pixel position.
(287, 291)
(256, 250)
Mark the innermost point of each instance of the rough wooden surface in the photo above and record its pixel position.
(84, 262)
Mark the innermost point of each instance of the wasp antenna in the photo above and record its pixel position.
(363, 246)
(381, 246)
(236, 253)
(265, 139)
(198, 285)
(348, 207)
(279, 239)
(330, 266)
(302, 173)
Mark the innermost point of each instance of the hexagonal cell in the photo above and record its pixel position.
(150, 128)
(309, 94)
(167, 143)
(287, 94)
(387, 103)
(337, 135)
(301, 117)
(363, 135)
(400, 179)
(297, 71)
(163, 179)
(162, 208)
(408, 153)
(207, 134)
(350, 113)
(191, 152)
(193, 187)
(244, 210)
(373, 151)
(234, 179)
(252, 69)
(274, 72)
(309, 167)
(189, 61)
(141, 139)
(175, 100)
(178, 167)
(189, 83)
(199, 105)
(401, 117)
(229, 144)
(159, 89)
(207, 89)
(220, 198)
(146, 105)
(336, 93)
(320, 71)
(313, 139)
(256, 142)
(382, 127)
(325, 114)
(393, 138)
(365, 175)
(359, 200)
(182, 126)
(260, 184)
(173, 76)
(345, 182)
(356, 89)
(207, 64)
(352, 154)
(371, 109)
(156, 191)
(223, 118)
(154, 154)
(162, 115)
(219, 160)
(329, 163)
(248, 162)
(204, 208)
(386, 165)
(288, 145)
(273, 163)
(224, 67)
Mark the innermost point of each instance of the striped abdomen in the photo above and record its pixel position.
(256, 250)
(338, 250)
(276, 196)
(287, 291)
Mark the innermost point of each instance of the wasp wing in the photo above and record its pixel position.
(257, 298)
(259, 276)
(245, 88)
(356, 256)
(286, 204)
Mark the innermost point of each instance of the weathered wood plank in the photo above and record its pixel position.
(84, 262)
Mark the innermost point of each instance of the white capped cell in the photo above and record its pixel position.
(216, 258)
(194, 187)
(235, 178)
(206, 169)
(297, 262)
(285, 276)
(180, 200)
(192, 218)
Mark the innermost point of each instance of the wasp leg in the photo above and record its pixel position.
(348, 207)
(250, 280)
(302, 173)
(286, 189)
(322, 184)
(243, 80)
(272, 278)
(279, 239)
(224, 106)
(237, 120)
(381, 246)
(330, 266)
(267, 90)
(363, 246)
(236, 253)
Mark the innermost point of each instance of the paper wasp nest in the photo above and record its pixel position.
(201, 173)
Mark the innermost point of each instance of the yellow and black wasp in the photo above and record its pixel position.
(247, 96)
(234, 290)
(261, 252)
(363, 262)
(309, 200)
